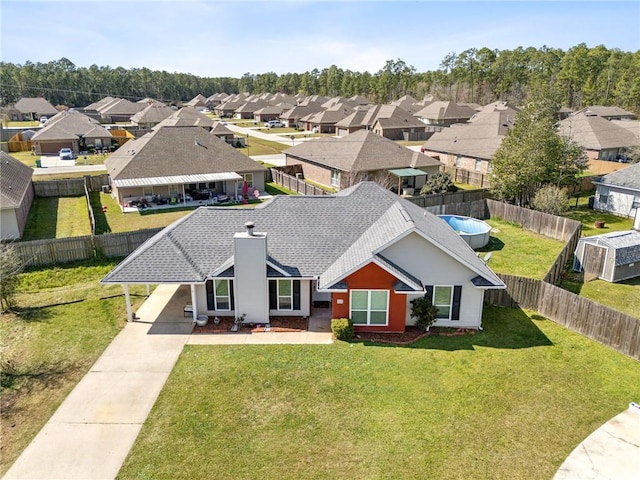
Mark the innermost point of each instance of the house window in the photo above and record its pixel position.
(459, 161)
(489, 167)
(446, 299)
(248, 177)
(147, 191)
(284, 294)
(220, 295)
(603, 195)
(478, 164)
(442, 298)
(335, 178)
(369, 307)
(173, 190)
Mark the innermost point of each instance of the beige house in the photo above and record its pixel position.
(363, 155)
(70, 129)
(32, 109)
(178, 163)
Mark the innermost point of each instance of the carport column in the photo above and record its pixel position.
(148, 289)
(127, 300)
(193, 302)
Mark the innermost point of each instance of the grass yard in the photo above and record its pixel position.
(588, 218)
(49, 343)
(258, 146)
(30, 160)
(274, 189)
(517, 251)
(509, 402)
(622, 296)
(57, 217)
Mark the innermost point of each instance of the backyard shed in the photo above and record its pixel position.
(611, 256)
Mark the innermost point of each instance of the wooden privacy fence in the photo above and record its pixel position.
(70, 187)
(73, 249)
(460, 175)
(591, 319)
(438, 199)
(295, 184)
(475, 209)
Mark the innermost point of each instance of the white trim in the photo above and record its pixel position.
(278, 296)
(278, 269)
(215, 296)
(433, 298)
(194, 302)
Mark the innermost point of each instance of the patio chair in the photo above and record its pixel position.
(173, 201)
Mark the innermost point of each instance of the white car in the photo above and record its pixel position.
(274, 124)
(66, 154)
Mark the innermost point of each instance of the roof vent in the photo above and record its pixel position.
(249, 226)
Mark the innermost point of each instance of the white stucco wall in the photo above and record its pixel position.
(305, 303)
(251, 288)
(434, 267)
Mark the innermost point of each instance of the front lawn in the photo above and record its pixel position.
(57, 217)
(509, 402)
(517, 251)
(259, 146)
(60, 327)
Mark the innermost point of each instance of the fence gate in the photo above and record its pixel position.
(593, 261)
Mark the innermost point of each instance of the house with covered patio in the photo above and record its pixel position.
(180, 164)
(362, 253)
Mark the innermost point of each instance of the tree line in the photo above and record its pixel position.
(580, 76)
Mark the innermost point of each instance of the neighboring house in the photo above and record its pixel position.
(325, 121)
(365, 118)
(152, 115)
(268, 113)
(119, 110)
(400, 126)
(70, 129)
(174, 162)
(246, 111)
(363, 155)
(445, 114)
(197, 101)
(16, 196)
(187, 117)
(365, 252)
(31, 109)
(216, 99)
(471, 146)
(220, 131)
(231, 103)
(619, 192)
(602, 139)
(613, 257)
(609, 113)
(292, 117)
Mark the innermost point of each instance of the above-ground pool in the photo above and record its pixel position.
(473, 231)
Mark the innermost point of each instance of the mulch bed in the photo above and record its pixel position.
(278, 324)
(410, 335)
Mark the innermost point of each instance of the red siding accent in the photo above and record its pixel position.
(373, 277)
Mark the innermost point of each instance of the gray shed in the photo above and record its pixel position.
(611, 256)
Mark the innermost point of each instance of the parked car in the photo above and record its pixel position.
(273, 124)
(43, 119)
(66, 154)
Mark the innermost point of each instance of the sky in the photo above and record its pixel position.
(213, 38)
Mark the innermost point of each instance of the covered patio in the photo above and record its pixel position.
(409, 180)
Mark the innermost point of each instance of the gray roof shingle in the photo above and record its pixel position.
(628, 177)
(324, 236)
(15, 179)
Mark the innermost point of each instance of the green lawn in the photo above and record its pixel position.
(622, 296)
(275, 189)
(588, 218)
(517, 251)
(509, 402)
(48, 344)
(258, 146)
(28, 159)
(53, 217)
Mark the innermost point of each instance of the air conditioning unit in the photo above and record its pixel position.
(106, 188)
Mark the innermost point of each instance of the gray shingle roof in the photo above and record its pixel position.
(625, 243)
(171, 151)
(441, 111)
(596, 133)
(70, 125)
(312, 236)
(15, 179)
(152, 113)
(360, 151)
(628, 177)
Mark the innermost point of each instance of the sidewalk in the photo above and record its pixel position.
(93, 430)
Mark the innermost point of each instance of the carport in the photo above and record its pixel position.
(407, 187)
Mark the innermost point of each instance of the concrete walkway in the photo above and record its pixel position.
(611, 452)
(93, 430)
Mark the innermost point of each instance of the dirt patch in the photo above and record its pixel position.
(278, 324)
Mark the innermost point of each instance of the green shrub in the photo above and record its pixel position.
(551, 199)
(424, 312)
(342, 328)
(438, 183)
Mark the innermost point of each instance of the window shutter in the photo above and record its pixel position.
(210, 302)
(428, 292)
(233, 303)
(296, 294)
(273, 294)
(455, 308)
